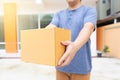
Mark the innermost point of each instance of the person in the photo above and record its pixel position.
(75, 64)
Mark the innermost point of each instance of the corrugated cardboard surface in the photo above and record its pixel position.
(60, 35)
(43, 45)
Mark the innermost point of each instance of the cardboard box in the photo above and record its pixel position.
(43, 46)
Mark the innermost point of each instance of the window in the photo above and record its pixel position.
(2, 32)
(45, 20)
(26, 22)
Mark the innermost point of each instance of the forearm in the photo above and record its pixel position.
(83, 36)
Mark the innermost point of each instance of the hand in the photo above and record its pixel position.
(69, 53)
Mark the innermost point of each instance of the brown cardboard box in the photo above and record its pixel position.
(43, 46)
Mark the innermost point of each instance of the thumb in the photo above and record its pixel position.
(66, 43)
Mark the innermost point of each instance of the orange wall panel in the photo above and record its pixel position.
(112, 40)
(100, 38)
(10, 27)
(109, 35)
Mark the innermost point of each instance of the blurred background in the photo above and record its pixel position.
(36, 14)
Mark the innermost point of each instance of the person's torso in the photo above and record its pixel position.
(73, 20)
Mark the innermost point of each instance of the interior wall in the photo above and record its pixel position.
(10, 28)
(116, 5)
(48, 6)
(108, 36)
(113, 41)
(100, 38)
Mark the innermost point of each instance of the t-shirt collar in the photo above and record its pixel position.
(74, 9)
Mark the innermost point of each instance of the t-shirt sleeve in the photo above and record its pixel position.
(55, 20)
(91, 17)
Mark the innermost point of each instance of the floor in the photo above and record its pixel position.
(15, 69)
(106, 69)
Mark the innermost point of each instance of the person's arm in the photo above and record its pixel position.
(83, 36)
(73, 47)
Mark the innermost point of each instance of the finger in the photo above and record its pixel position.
(66, 43)
(66, 62)
(63, 58)
(61, 61)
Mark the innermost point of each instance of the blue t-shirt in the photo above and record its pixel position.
(74, 20)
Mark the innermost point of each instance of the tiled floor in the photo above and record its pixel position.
(106, 69)
(15, 69)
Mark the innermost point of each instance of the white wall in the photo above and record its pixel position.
(49, 6)
(93, 43)
(102, 8)
(116, 5)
